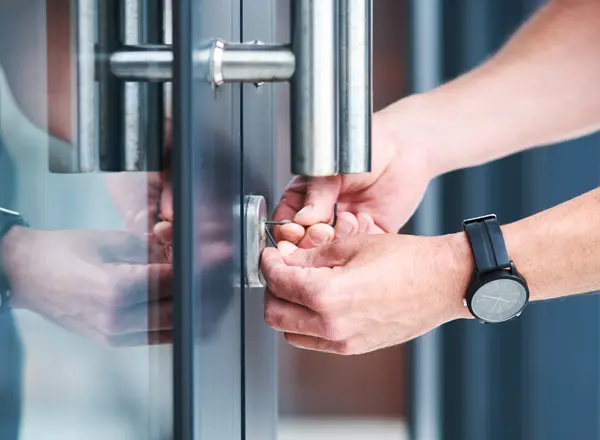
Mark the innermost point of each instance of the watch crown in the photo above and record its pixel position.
(465, 302)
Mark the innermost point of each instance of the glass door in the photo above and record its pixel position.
(225, 365)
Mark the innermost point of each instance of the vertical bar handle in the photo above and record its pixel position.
(314, 85)
(355, 85)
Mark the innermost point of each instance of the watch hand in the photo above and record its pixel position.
(497, 298)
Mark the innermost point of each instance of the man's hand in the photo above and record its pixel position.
(382, 200)
(106, 285)
(363, 293)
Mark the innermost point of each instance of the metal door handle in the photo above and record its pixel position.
(356, 108)
(328, 63)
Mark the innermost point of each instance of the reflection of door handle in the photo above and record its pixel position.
(118, 125)
(328, 64)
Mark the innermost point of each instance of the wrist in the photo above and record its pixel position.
(404, 127)
(461, 265)
(523, 249)
(456, 265)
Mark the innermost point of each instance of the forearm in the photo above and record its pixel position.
(541, 88)
(557, 250)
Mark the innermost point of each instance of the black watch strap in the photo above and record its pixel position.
(487, 243)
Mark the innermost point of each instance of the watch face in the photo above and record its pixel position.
(499, 300)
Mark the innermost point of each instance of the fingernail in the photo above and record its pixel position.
(286, 248)
(305, 211)
(318, 236)
(344, 228)
(363, 224)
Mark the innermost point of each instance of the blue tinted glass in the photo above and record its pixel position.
(86, 339)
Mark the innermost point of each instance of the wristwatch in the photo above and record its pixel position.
(497, 292)
(8, 219)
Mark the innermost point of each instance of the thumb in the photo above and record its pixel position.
(330, 255)
(321, 194)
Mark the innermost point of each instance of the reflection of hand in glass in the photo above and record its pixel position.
(214, 249)
(109, 286)
(144, 197)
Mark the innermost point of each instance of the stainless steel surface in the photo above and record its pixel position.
(255, 63)
(111, 90)
(134, 93)
(144, 103)
(314, 101)
(83, 154)
(219, 62)
(255, 215)
(149, 63)
(355, 85)
(118, 124)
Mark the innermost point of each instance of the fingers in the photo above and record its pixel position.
(154, 316)
(125, 247)
(164, 231)
(313, 236)
(366, 224)
(291, 202)
(292, 199)
(93, 330)
(166, 200)
(131, 284)
(327, 256)
(321, 194)
(214, 253)
(140, 339)
(347, 224)
(291, 232)
(317, 235)
(286, 316)
(294, 284)
(307, 342)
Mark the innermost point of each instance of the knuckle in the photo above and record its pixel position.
(333, 330)
(346, 348)
(291, 339)
(317, 300)
(323, 296)
(113, 296)
(108, 323)
(273, 316)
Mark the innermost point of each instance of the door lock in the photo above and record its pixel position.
(255, 239)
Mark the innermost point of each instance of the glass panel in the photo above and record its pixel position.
(86, 348)
(259, 122)
(208, 161)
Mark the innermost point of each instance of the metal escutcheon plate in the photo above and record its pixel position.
(255, 215)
